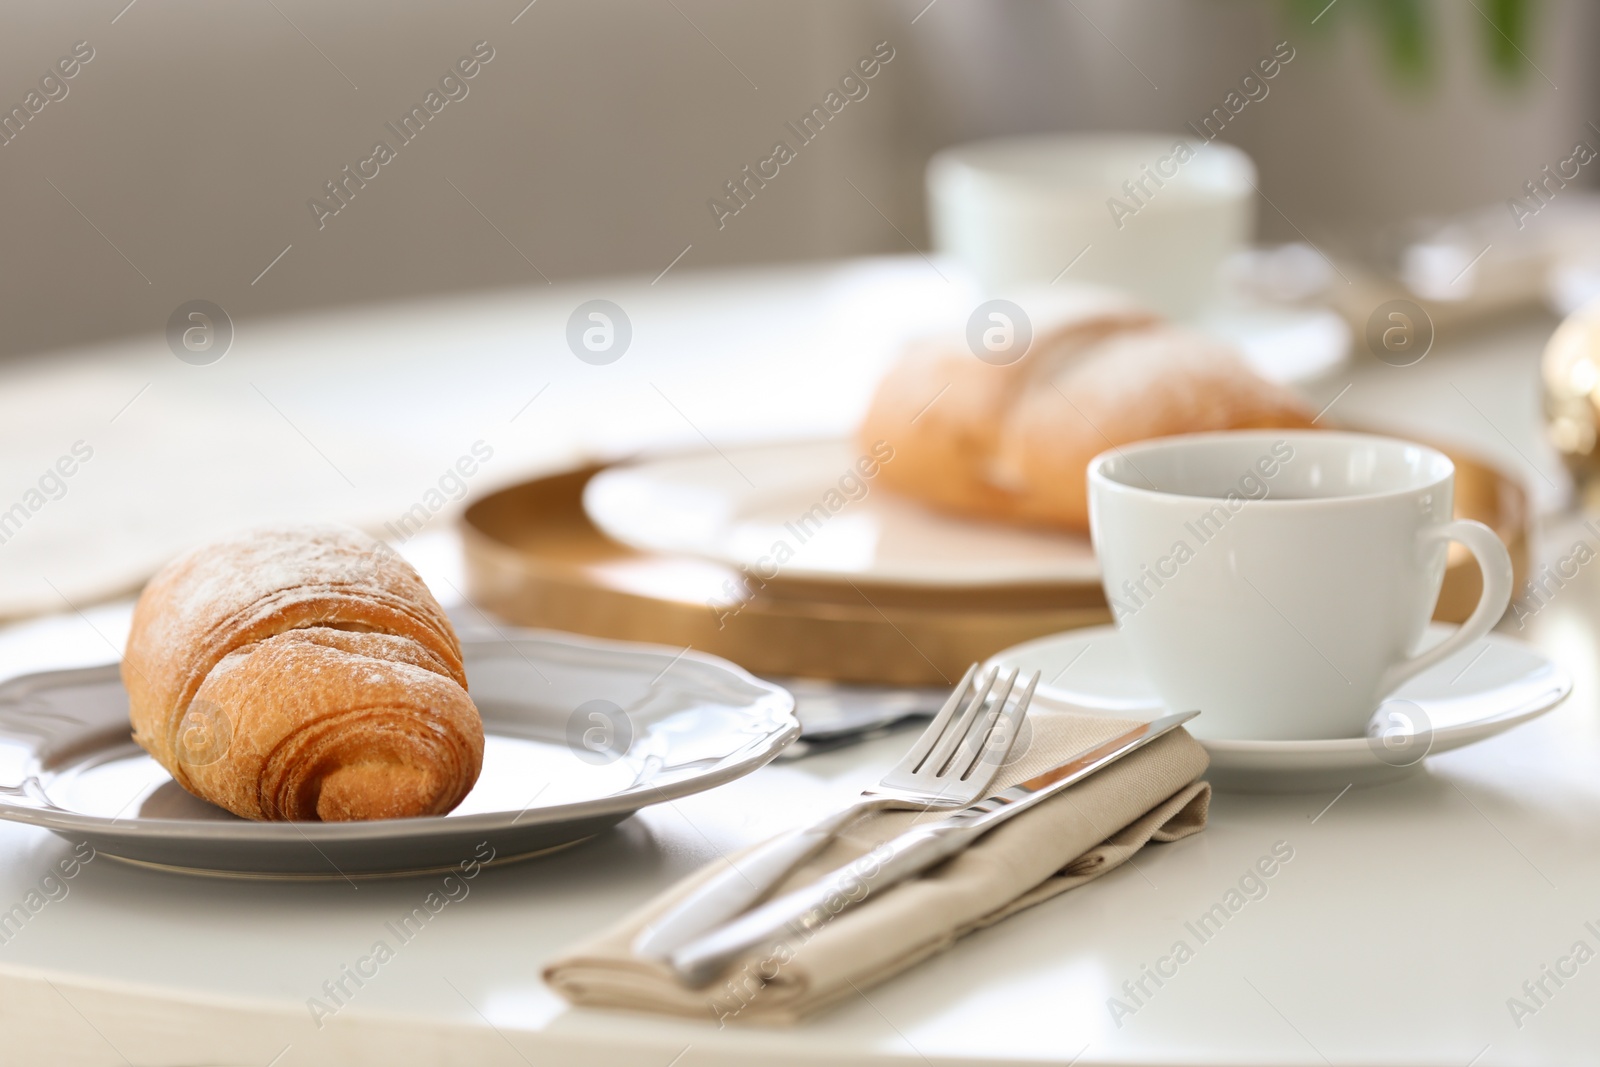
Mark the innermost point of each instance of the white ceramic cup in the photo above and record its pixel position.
(1281, 580)
(1154, 216)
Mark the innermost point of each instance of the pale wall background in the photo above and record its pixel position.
(193, 139)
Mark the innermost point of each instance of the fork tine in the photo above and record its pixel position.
(982, 728)
(935, 729)
(956, 727)
(938, 763)
(1007, 726)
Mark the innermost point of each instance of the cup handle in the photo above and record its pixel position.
(1495, 564)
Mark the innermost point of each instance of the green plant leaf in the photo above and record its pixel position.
(1404, 26)
(1506, 26)
(1407, 34)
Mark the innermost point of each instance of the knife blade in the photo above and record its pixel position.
(801, 912)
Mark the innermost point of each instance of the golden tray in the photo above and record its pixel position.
(534, 559)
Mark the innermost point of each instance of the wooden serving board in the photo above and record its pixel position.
(534, 558)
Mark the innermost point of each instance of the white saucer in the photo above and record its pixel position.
(1485, 689)
(738, 505)
(1300, 347)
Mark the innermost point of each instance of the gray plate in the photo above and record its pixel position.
(580, 734)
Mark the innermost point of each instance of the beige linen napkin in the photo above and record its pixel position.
(1151, 795)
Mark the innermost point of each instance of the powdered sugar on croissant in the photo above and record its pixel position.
(302, 672)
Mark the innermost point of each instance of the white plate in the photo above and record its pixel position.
(1485, 689)
(580, 733)
(739, 505)
(1298, 347)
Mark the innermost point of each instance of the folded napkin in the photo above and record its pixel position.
(1151, 795)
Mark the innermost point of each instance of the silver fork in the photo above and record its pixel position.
(950, 766)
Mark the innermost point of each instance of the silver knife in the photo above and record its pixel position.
(805, 910)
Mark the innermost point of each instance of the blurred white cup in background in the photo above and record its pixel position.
(1154, 216)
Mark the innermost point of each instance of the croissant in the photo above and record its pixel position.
(302, 673)
(1014, 442)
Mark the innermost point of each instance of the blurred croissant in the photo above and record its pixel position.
(1014, 441)
(302, 673)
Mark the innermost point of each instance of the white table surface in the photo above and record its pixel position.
(1407, 917)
